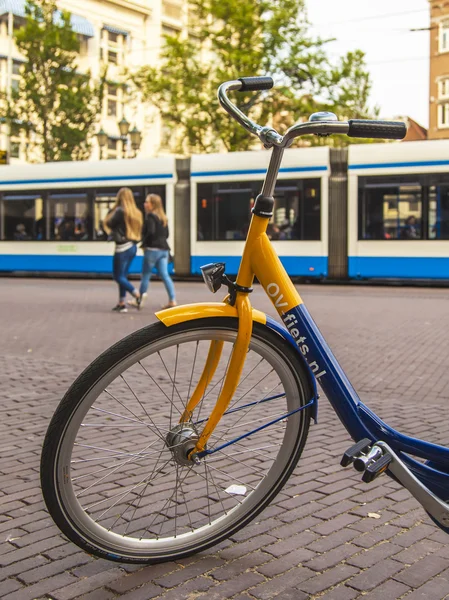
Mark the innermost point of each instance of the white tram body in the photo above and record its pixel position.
(398, 210)
(223, 190)
(51, 214)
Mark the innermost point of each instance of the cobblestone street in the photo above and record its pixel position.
(328, 535)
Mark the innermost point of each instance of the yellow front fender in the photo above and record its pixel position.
(202, 310)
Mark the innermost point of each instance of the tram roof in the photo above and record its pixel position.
(296, 163)
(82, 174)
(395, 158)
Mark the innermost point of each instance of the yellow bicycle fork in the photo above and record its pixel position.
(259, 259)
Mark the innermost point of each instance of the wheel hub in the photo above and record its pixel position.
(182, 440)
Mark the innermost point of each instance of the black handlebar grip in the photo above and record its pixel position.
(253, 84)
(385, 130)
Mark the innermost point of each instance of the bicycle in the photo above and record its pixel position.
(180, 434)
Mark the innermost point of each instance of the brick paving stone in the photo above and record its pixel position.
(413, 535)
(335, 524)
(182, 575)
(100, 594)
(287, 545)
(333, 540)
(249, 561)
(375, 575)
(146, 592)
(298, 526)
(292, 595)
(254, 529)
(391, 590)
(227, 589)
(435, 589)
(85, 585)
(53, 568)
(241, 549)
(419, 550)
(42, 587)
(380, 534)
(285, 562)
(341, 592)
(16, 555)
(332, 558)
(327, 579)
(148, 574)
(10, 585)
(186, 590)
(368, 558)
(287, 581)
(422, 570)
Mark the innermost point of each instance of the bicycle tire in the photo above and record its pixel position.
(57, 486)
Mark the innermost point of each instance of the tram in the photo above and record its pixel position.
(373, 211)
(51, 214)
(398, 210)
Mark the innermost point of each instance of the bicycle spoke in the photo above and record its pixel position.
(143, 408)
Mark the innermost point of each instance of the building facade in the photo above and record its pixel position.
(439, 70)
(120, 34)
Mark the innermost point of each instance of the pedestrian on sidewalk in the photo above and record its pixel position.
(156, 249)
(124, 224)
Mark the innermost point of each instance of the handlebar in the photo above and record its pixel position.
(320, 124)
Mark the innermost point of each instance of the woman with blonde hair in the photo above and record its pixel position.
(124, 224)
(156, 249)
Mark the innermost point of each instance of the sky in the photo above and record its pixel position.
(397, 58)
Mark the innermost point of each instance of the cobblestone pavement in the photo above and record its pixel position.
(327, 535)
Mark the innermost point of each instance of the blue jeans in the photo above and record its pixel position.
(121, 265)
(158, 259)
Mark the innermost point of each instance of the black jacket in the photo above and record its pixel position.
(154, 233)
(117, 224)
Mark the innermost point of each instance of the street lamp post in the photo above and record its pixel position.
(133, 137)
(136, 139)
(102, 138)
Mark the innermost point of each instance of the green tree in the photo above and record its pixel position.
(54, 100)
(250, 37)
(348, 88)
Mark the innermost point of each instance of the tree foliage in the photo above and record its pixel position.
(54, 101)
(234, 38)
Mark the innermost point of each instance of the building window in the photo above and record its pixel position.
(172, 10)
(15, 149)
(112, 100)
(112, 148)
(443, 88)
(444, 36)
(16, 75)
(113, 47)
(224, 210)
(170, 31)
(443, 115)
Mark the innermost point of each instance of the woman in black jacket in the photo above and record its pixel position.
(156, 249)
(124, 224)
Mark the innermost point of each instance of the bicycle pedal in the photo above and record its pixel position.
(376, 468)
(355, 451)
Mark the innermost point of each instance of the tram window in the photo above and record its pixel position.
(389, 212)
(70, 216)
(105, 200)
(24, 217)
(224, 210)
(438, 212)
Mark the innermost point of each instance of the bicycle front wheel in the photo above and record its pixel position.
(114, 472)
